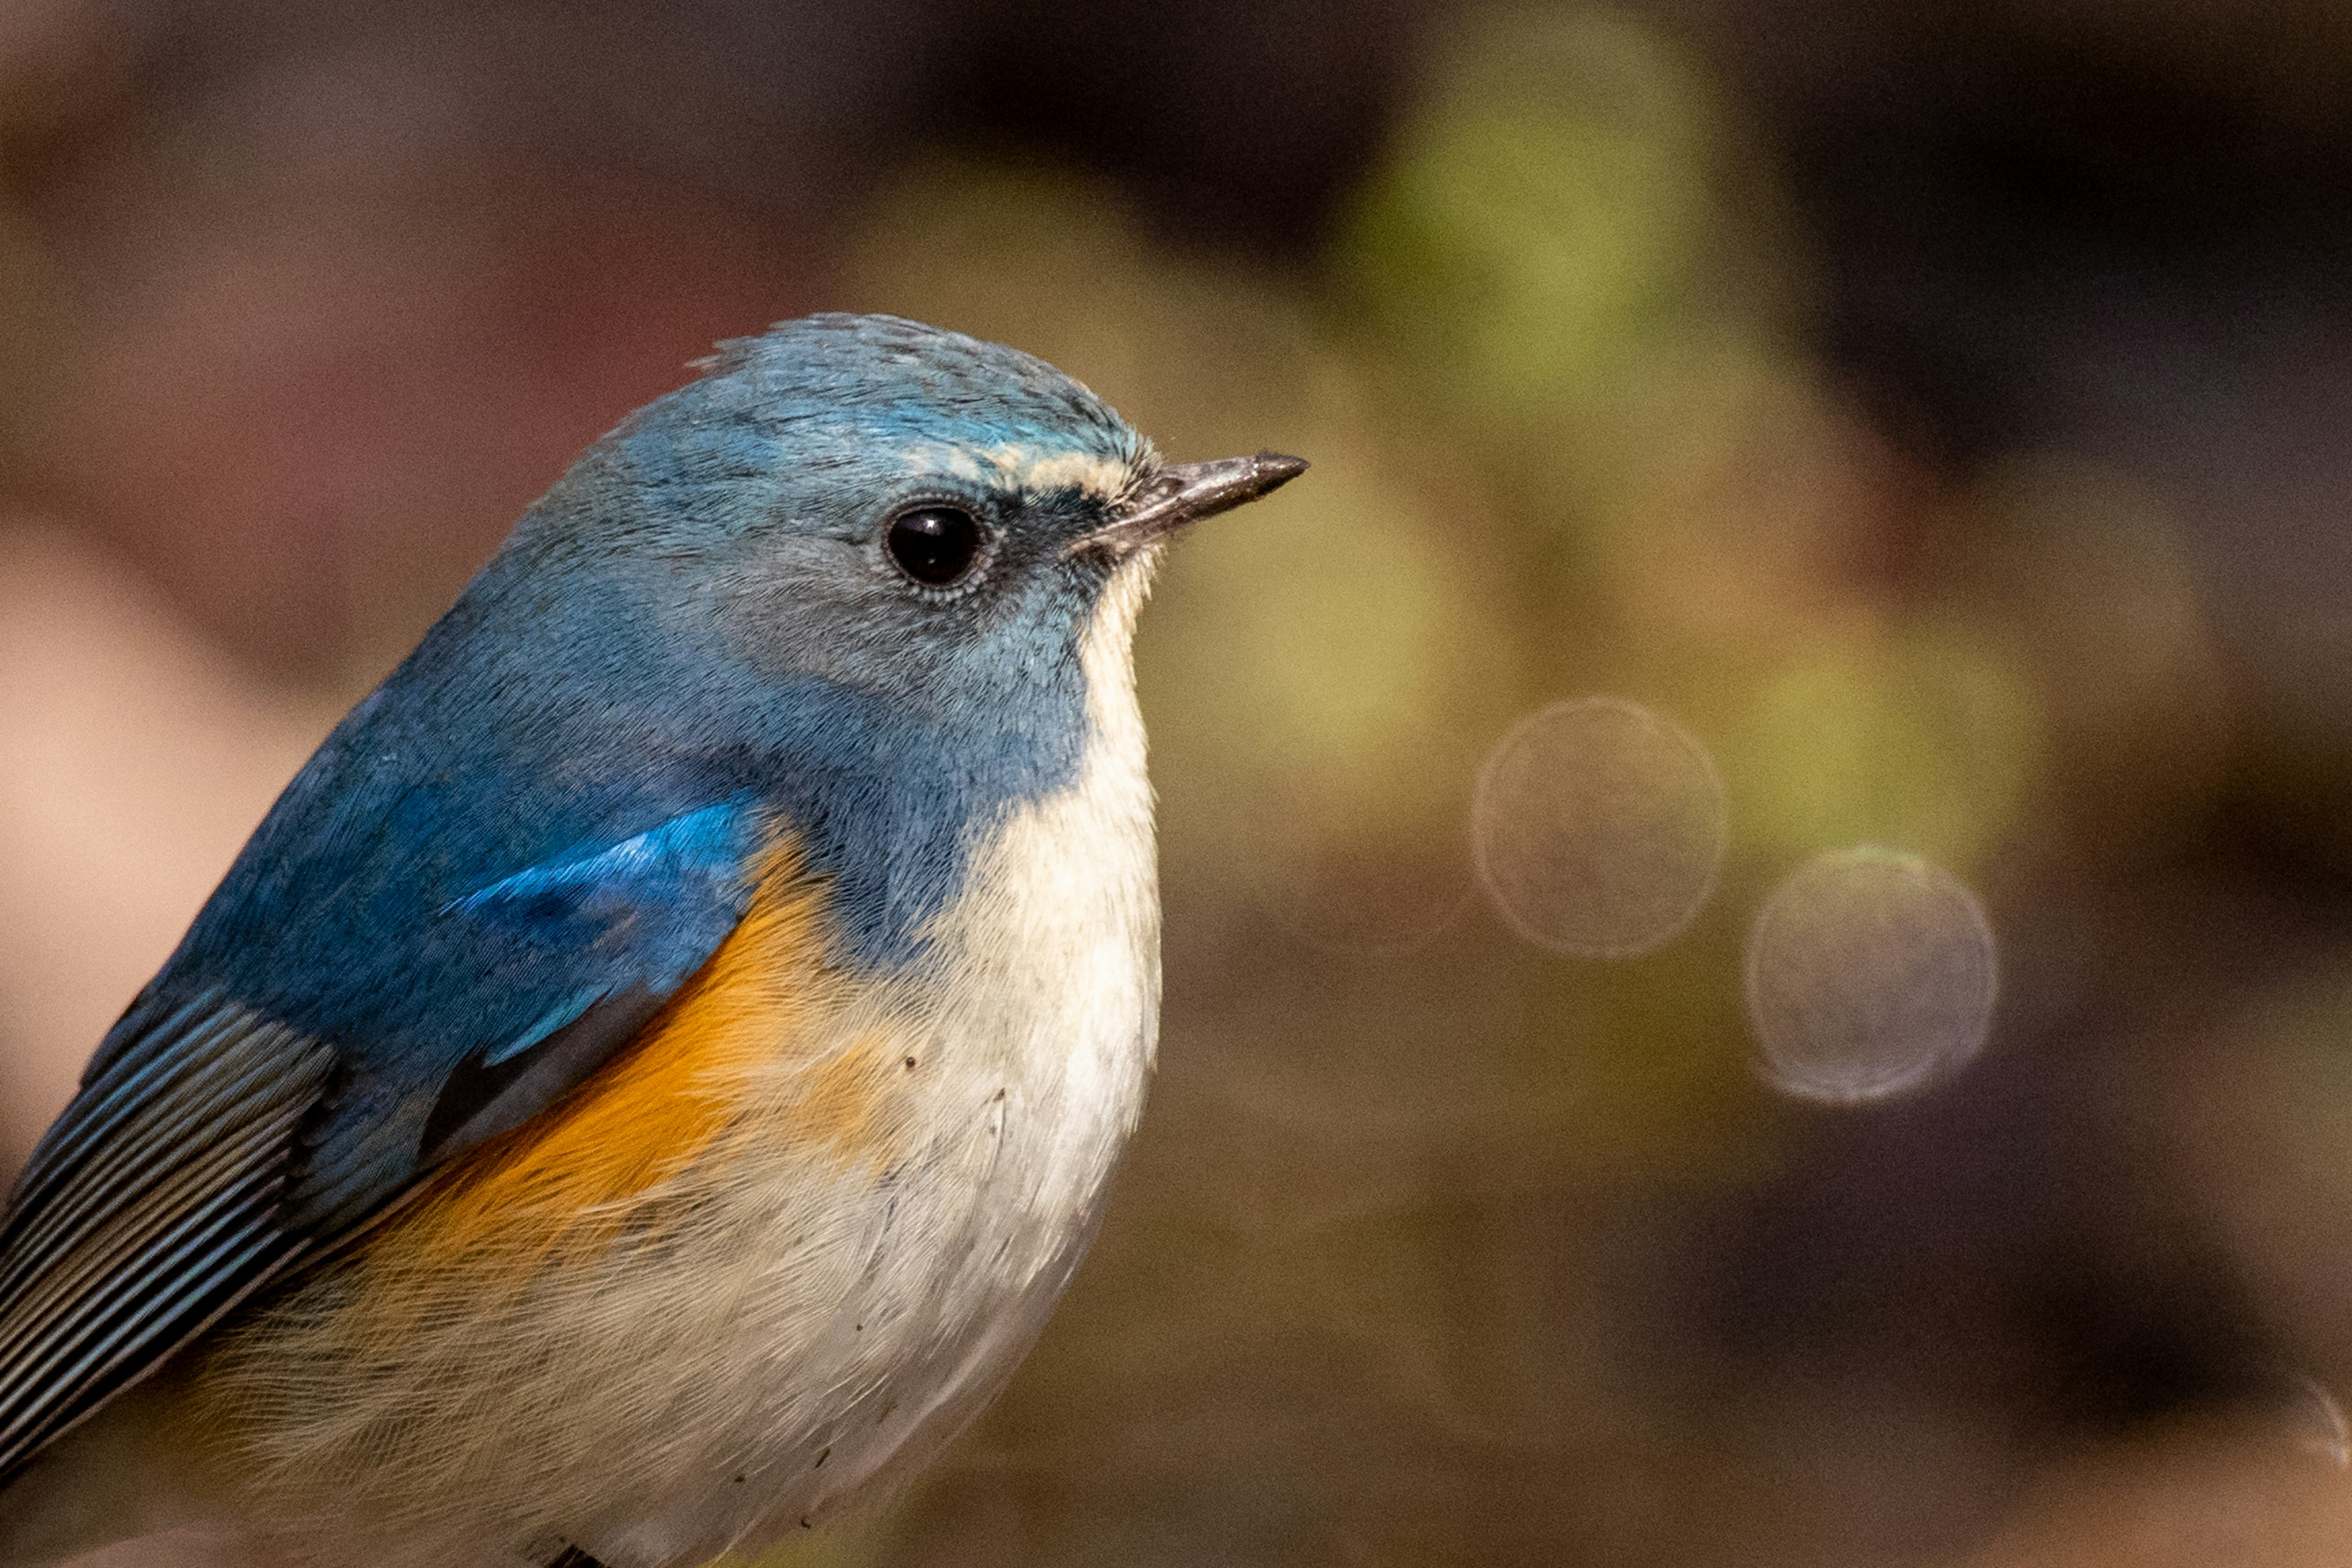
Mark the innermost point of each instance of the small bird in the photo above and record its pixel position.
(649, 1077)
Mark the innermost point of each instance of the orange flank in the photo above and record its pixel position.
(721, 1054)
(844, 1104)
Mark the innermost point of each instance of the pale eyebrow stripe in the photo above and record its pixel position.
(1103, 476)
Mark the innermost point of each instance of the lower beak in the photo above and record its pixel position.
(1181, 493)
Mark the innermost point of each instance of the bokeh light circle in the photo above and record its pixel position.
(1598, 827)
(1869, 973)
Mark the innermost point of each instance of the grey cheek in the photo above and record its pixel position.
(799, 612)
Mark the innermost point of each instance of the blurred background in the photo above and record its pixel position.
(1758, 885)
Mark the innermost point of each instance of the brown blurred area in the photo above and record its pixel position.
(1941, 410)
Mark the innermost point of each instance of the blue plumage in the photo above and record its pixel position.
(647, 912)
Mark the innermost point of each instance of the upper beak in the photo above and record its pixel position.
(1186, 492)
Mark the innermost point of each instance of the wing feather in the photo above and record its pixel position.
(109, 1167)
(159, 1054)
(150, 1206)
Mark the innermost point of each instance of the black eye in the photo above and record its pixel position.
(935, 544)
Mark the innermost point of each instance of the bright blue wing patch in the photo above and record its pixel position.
(652, 907)
(530, 981)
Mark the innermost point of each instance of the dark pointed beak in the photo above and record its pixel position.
(1182, 493)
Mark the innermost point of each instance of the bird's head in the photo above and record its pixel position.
(889, 507)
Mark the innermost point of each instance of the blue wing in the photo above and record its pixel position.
(223, 1131)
